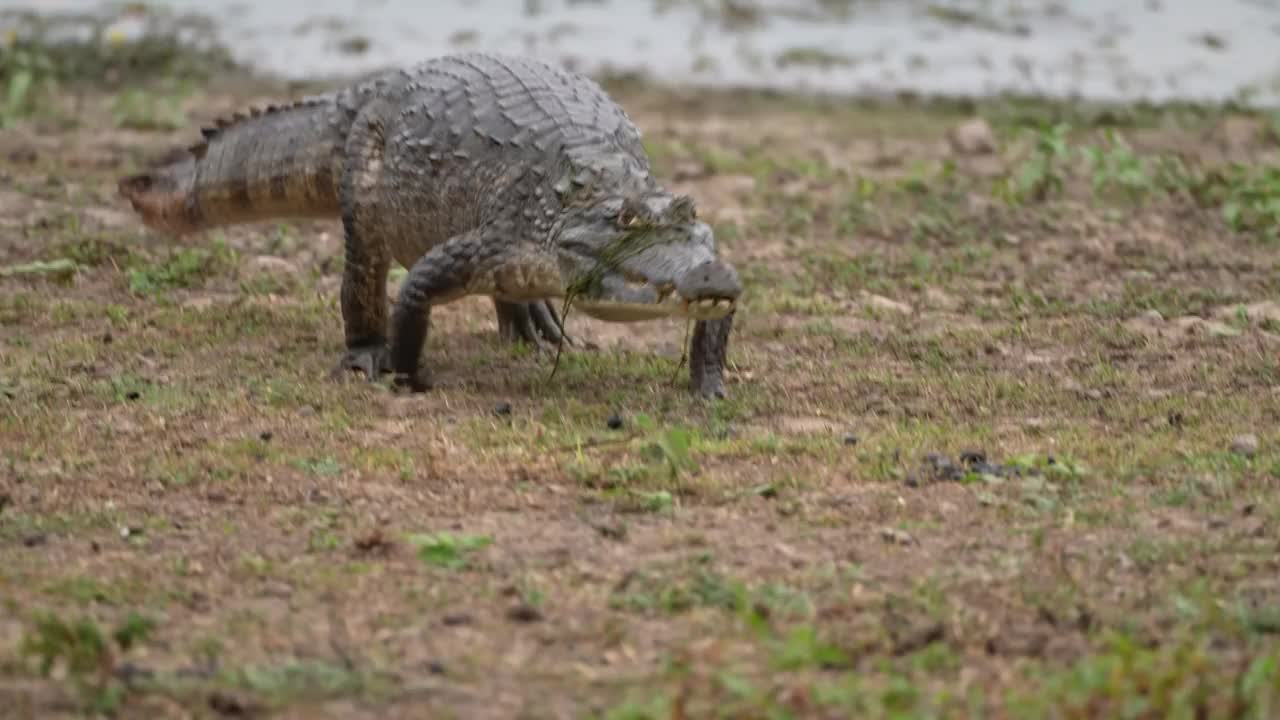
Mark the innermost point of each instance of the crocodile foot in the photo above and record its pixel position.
(370, 360)
(707, 357)
(536, 323)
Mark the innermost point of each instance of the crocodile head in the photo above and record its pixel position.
(641, 257)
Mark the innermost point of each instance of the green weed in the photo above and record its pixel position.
(90, 656)
(447, 550)
(1042, 174)
(184, 268)
(1116, 167)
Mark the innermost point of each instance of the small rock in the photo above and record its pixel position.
(374, 543)
(940, 300)
(108, 218)
(897, 537)
(612, 531)
(1192, 325)
(229, 705)
(1267, 311)
(689, 170)
(1217, 329)
(524, 613)
(502, 409)
(25, 155)
(880, 303)
(272, 265)
(973, 137)
(277, 590)
(1241, 133)
(1245, 445)
(614, 422)
(941, 467)
(198, 303)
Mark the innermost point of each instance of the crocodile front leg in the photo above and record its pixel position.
(708, 354)
(459, 267)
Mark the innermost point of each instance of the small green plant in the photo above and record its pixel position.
(1116, 166)
(325, 466)
(802, 648)
(1042, 174)
(704, 588)
(1251, 200)
(61, 270)
(26, 78)
(447, 550)
(89, 655)
(671, 449)
(183, 269)
(140, 109)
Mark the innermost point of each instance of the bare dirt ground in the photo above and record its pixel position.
(1001, 440)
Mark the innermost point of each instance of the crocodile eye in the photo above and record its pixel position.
(682, 210)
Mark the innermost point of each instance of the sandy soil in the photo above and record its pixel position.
(984, 455)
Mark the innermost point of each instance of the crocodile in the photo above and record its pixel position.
(481, 174)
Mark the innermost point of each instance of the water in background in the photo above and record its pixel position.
(1094, 49)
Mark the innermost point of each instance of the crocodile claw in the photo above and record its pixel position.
(536, 323)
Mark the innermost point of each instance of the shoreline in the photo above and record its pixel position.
(315, 50)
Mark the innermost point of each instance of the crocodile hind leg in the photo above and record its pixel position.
(536, 323)
(368, 258)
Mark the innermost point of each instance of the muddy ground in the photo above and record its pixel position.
(1001, 439)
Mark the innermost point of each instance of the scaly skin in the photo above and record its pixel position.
(482, 174)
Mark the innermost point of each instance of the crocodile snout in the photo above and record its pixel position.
(712, 280)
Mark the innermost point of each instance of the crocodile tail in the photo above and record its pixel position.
(279, 162)
(163, 196)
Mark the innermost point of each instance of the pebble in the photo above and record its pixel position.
(272, 265)
(881, 303)
(1245, 445)
(896, 537)
(524, 613)
(973, 137)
